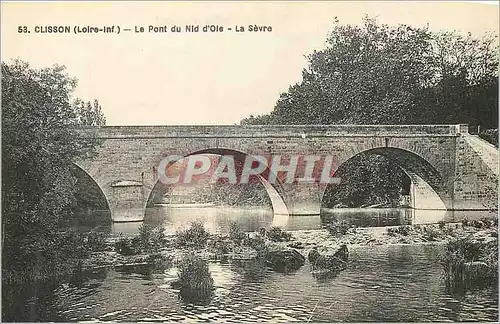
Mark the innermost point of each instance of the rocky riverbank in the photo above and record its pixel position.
(243, 246)
(406, 234)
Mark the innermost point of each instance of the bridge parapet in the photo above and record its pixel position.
(275, 131)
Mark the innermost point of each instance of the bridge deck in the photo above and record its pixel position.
(275, 131)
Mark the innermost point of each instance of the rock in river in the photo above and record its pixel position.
(336, 261)
(284, 259)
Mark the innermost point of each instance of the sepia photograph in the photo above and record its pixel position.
(249, 161)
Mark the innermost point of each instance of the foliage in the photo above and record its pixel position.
(244, 194)
(336, 227)
(257, 120)
(236, 234)
(151, 238)
(195, 282)
(431, 233)
(366, 179)
(257, 243)
(468, 263)
(194, 237)
(89, 113)
(483, 222)
(403, 230)
(220, 245)
(276, 234)
(490, 135)
(39, 144)
(95, 241)
(125, 246)
(378, 74)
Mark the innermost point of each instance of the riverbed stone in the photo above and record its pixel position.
(331, 259)
(284, 259)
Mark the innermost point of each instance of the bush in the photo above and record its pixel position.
(151, 238)
(194, 237)
(159, 261)
(220, 245)
(258, 243)
(337, 227)
(441, 224)
(125, 246)
(450, 230)
(401, 230)
(483, 222)
(477, 224)
(195, 282)
(275, 234)
(468, 263)
(431, 233)
(490, 135)
(95, 241)
(487, 222)
(236, 234)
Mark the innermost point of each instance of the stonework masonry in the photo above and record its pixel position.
(453, 166)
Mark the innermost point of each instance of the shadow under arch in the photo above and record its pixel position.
(274, 191)
(92, 190)
(426, 181)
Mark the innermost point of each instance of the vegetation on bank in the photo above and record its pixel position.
(470, 253)
(39, 145)
(195, 283)
(469, 262)
(379, 74)
(221, 194)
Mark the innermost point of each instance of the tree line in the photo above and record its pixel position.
(380, 74)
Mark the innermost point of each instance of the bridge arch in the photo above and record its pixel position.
(123, 164)
(82, 174)
(428, 188)
(275, 191)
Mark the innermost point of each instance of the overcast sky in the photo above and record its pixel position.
(200, 78)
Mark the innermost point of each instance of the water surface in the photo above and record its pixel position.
(382, 283)
(216, 219)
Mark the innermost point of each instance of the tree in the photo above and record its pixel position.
(374, 74)
(378, 74)
(89, 114)
(39, 145)
(465, 84)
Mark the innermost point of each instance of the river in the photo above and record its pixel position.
(216, 219)
(381, 283)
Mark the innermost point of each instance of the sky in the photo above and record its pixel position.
(202, 78)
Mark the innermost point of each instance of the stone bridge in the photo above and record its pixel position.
(448, 167)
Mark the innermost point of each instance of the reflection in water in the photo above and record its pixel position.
(374, 217)
(217, 219)
(382, 283)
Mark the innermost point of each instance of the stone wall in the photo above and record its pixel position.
(476, 174)
(130, 153)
